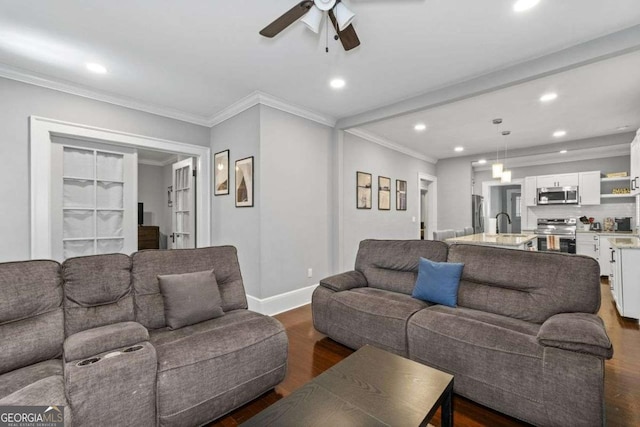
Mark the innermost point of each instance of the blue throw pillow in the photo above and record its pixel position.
(438, 282)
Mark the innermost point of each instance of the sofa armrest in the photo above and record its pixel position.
(344, 281)
(580, 332)
(104, 338)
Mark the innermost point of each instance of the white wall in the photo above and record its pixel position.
(239, 227)
(359, 224)
(18, 101)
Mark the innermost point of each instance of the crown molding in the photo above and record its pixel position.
(377, 139)
(554, 158)
(261, 98)
(36, 79)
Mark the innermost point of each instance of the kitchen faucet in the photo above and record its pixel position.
(497, 226)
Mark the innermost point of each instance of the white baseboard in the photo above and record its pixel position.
(283, 302)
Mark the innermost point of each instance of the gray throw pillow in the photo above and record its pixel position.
(190, 298)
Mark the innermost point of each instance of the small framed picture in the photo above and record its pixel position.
(384, 193)
(363, 190)
(244, 182)
(401, 195)
(221, 174)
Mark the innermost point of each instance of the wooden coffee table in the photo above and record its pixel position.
(371, 387)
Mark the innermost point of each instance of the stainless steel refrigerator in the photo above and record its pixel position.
(477, 209)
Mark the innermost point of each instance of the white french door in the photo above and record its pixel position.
(93, 198)
(183, 209)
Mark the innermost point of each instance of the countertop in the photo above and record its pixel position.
(504, 239)
(609, 233)
(625, 242)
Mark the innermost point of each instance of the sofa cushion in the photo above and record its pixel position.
(148, 265)
(190, 298)
(31, 319)
(531, 286)
(218, 365)
(97, 291)
(438, 282)
(47, 391)
(488, 353)
(20, 378)
(371, 316)
(393, 264)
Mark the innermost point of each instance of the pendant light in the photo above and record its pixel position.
(497, 167)
(505, 178)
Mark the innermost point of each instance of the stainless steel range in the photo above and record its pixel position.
(557, 234)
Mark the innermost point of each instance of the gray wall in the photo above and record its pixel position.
(454, 193)
(359, 224)
(295, 210)
(239, 227)
(152, 194)
(18, 101)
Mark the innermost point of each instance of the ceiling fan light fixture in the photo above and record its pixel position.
(324, 5)
(313, 19)
(344, 16)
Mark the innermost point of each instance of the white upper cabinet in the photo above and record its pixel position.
(589, 188)
(560, 180)
(530, 191)
(635, 165)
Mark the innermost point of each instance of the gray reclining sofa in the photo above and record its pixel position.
(91, 335)
(524, 338)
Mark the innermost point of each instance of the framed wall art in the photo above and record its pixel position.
(244, 182)
(384, 193)
(401, 195)
(363, 190)
(221, 173)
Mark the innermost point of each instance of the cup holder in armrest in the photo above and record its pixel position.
(132, 349)
(88, 362)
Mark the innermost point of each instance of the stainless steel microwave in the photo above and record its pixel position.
(558, 196)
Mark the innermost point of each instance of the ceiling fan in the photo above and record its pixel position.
(314, 10)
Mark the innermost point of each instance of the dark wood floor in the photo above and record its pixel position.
(311, 353)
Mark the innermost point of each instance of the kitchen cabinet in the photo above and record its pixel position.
(624, 281)
(530, 191)
(635, 165)
(589, 188)
(595, 246)
(559, 180)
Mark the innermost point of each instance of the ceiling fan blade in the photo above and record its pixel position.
(348, 36)
(287, 18)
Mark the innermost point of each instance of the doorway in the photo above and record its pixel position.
(503, 198)
(427, 206)
(166, 206)
(41, 135)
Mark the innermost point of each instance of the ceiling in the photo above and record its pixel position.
(200, 56)
(157, 158)
(593, 100)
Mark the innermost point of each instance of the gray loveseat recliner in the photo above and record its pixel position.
(121, 365)
(524, 338)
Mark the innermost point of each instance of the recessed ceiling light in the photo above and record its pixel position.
(458, 149)
(337, 83)
(420, 127)
(563, 151)
(96, 68)
(548, 97)
(559, 133)
(482, 161)
(522, 5)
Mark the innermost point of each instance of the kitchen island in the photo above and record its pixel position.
(504, 240)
